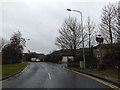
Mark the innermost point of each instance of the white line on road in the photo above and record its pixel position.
(49, 76)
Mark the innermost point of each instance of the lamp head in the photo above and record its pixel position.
(99, 35)
(69, 10)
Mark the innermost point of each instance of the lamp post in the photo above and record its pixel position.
(26, 48)
(82, 33)
(28, 40)
(99, 39)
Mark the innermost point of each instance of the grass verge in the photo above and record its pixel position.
(12, 68)
(110, 74)
(0, 71)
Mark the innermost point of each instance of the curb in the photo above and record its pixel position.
(9, 76)
(112, 82)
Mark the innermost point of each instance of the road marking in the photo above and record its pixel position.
(49, 76)
(99, 80)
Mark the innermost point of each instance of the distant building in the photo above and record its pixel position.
(66, 58)
(67, 54)
(41, 57)
(104, 49)
(29, 56)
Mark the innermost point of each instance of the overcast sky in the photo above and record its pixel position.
(40, 21)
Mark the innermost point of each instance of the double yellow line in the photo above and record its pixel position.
(99, 80)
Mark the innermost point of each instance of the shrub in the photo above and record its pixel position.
(73, 64)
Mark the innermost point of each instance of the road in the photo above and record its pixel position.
(49, 75)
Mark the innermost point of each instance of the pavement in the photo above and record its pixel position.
(50, 75)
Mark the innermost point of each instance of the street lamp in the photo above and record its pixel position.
(100, 39)
(28, 39)
(82, 33)
(26, 48)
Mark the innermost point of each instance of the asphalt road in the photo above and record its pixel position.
(49, 75)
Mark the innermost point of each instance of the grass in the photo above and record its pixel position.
(12, 68)
(105, 73)
(0, 71)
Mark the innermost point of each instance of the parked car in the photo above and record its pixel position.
(37, 60)
(33, 59)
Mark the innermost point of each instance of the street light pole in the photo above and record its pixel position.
(28, 39)
(82, 34)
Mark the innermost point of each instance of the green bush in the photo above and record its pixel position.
(73, 64)
(101, 66)
(90, 61)
(55, 58)
(13, 52)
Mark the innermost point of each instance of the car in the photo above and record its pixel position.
(37, 60)
(33, 59)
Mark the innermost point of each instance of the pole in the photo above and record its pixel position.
(82, 35)
(83, 40)
(100, 54)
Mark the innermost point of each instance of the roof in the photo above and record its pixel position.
(40, 55)
(67, 52)
(108, 46)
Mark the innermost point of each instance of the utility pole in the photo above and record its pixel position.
(83, 50)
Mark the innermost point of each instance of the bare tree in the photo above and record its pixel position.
(2, 43)
(116, 26)
(118, 22)
(70, 35)
(90, 28)
(108, 21)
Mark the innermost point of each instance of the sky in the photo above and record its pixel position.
(39, 21)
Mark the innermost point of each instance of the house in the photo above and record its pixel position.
(66, 54)
(65, 58)
(104, 49)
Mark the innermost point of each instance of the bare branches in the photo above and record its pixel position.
(109, 21)
(90, 28)
(70, 34)
(2, 43)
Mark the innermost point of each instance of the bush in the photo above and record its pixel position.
(101, 66)
(91, 62)
(73, 64)
(55, 58)
(111, 60)
(13, 52)
(10, 55)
